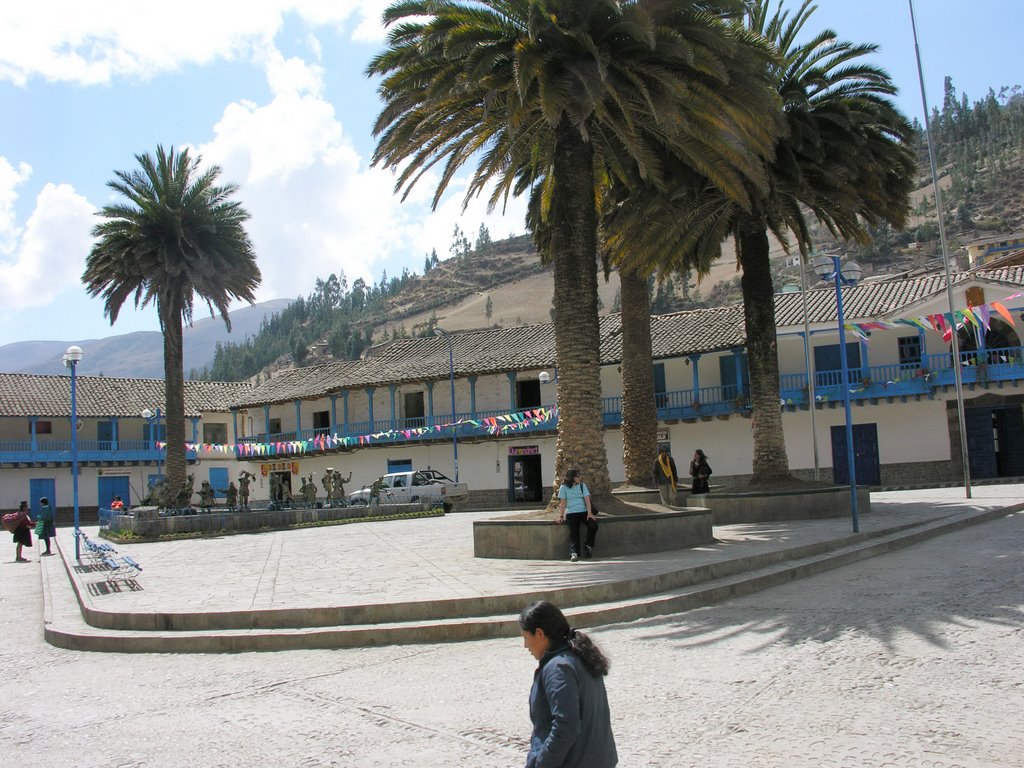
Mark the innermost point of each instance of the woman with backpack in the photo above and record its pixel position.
(568, 703)
(19, 524)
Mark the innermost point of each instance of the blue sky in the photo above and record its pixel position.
(273, 91)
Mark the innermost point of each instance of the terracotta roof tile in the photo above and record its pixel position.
(24, 394)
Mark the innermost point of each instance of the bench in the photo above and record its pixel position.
(124, 568)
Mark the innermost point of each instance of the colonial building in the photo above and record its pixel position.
(394, 409)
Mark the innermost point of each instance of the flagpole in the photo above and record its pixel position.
(964, 459)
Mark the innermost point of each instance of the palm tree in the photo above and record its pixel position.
(846, 158)
(556, 98)
(177, 235)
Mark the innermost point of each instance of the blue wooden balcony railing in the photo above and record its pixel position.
(981, 368)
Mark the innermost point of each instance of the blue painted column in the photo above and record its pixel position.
(33, 442)
(266, 420)
(392, 388)
(234, 424)
(298, 419)
(195, 429)
(737, 355)
(924, 345)
(472, 396)
(430, 403)
(344, 412)
(115, 430)
(865, 363)
(334, 414)
(695, 364)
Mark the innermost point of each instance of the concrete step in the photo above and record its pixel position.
(464, 619)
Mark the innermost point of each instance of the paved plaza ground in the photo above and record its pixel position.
(909, 659)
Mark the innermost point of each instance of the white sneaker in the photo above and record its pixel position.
(573, 557)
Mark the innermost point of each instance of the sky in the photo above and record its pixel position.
(274, 92)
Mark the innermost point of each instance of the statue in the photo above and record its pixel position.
(243, 487)
(375, 491)
(207, 496)
(185, 493)
(327, 481)
(232, 496)
(276, 488)
(338, 487)
(309, 490)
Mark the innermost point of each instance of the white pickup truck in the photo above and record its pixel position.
(424, 485)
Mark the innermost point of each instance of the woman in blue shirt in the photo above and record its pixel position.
(574, 508)
(568, 702)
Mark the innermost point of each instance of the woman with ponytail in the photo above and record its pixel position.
(568, 704)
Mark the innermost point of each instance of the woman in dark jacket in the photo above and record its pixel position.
(700, 471)
(568, 703)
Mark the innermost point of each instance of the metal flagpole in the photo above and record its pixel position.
(945, 260)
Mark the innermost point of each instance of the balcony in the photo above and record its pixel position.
(984, 368)
(48, 451)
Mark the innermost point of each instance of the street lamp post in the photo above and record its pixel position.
(154, 434)
(451, 381)
(828, 268)
(72, 357)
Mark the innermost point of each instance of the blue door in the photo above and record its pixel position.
(219, 480)
(865, 455)
(111, 486)
(40, 487)
(660, 398)
(105, 436)
(732, 391)
(981, 444)
(828, 367)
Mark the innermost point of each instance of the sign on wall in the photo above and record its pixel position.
(280, 466)
(524, 450)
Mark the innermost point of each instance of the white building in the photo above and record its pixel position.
(393, 409)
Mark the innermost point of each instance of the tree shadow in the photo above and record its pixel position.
(965, 580)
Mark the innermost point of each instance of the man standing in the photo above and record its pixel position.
(665, 476)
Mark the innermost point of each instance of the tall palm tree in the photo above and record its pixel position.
(178, 235)
(555, 98)
(845, 158)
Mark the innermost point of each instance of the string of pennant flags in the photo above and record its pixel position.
(978, 318)
(494, 425)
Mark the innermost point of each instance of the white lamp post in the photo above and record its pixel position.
(828, 268)
(451, 380)
(72, 357)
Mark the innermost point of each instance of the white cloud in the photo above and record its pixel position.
(48, 255)
(94, 43)
(316, 208)
(10, 179)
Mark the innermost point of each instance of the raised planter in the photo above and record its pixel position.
(771, 506)
(625, 535)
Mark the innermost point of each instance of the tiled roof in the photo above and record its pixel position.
(25, 394)
(883, 299)
(492, 351)
(483, 352)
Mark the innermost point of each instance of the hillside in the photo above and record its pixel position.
(138, 354)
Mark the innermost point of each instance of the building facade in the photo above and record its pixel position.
(393, 409)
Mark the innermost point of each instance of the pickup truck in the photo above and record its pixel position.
(425, 485)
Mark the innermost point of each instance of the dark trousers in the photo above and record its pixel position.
(575, 521)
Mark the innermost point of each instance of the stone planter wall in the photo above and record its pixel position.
(626, 535)
(812, 504)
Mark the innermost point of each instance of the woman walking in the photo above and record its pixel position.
(568, 702)
(700, 471)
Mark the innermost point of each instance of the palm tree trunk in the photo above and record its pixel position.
(770, 461)
(573, 219)
(174, 393)
(639, 417)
